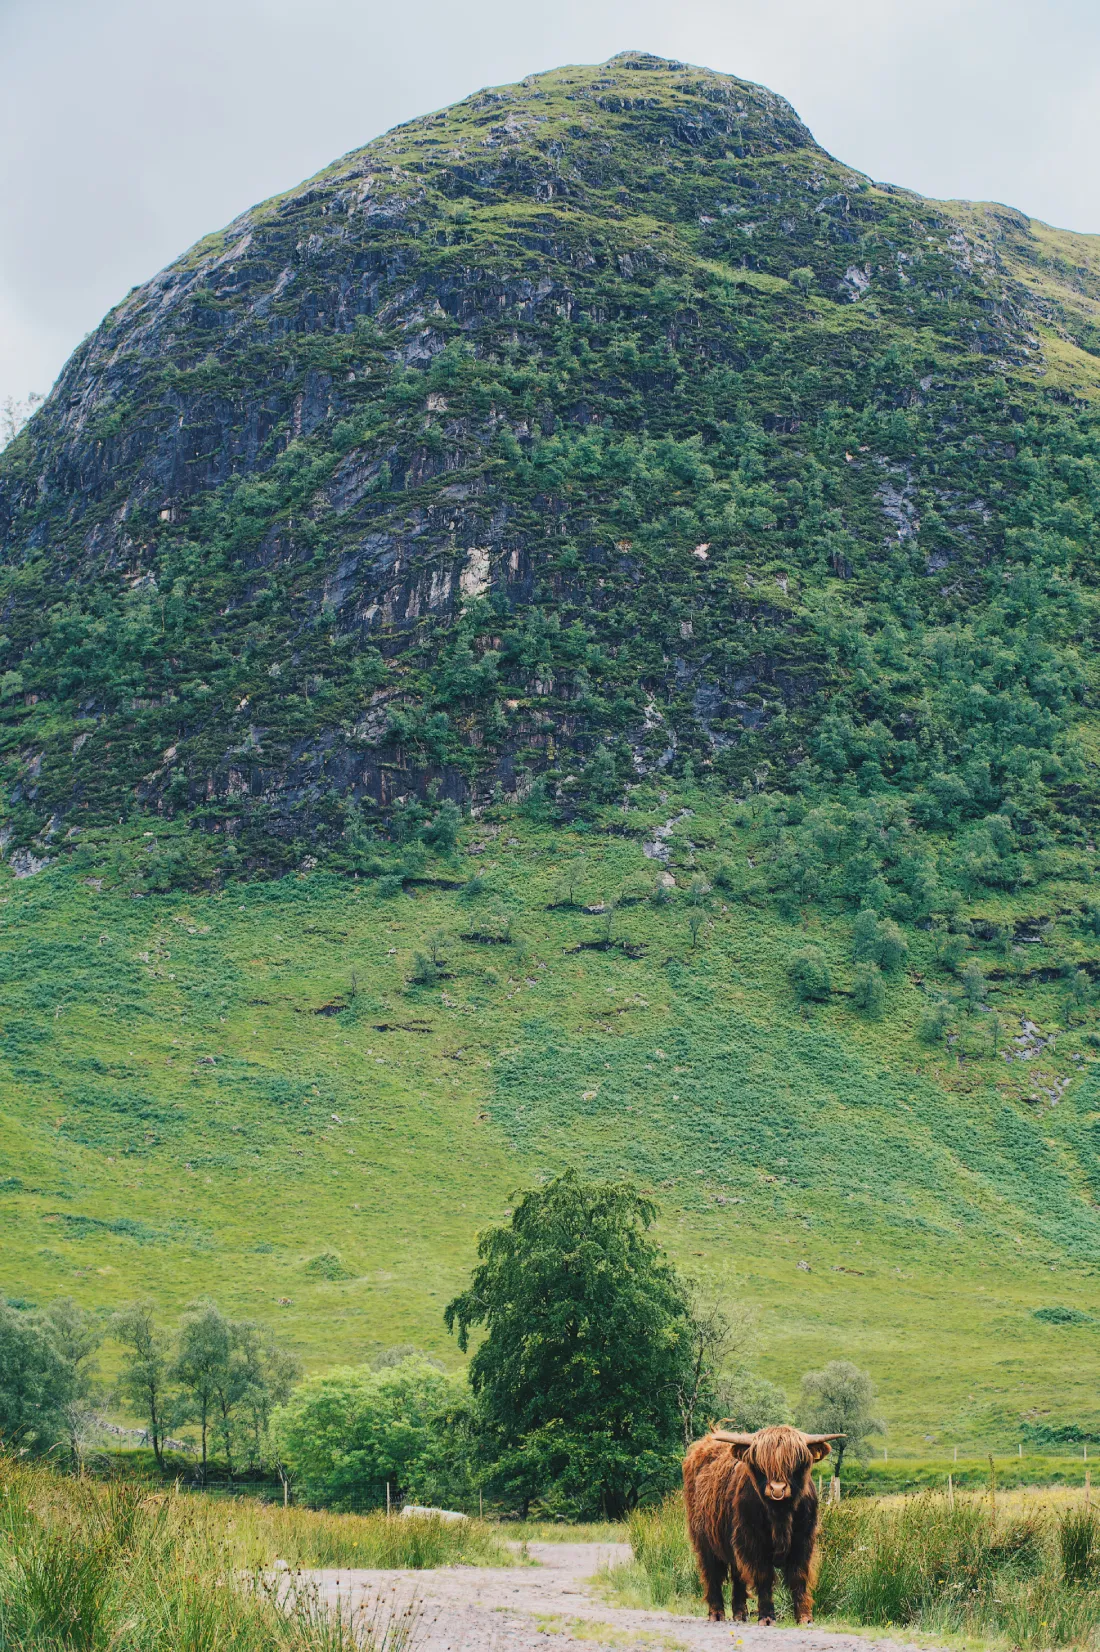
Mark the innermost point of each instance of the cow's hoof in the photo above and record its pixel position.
(805, 1623)
(766, 1623)
(716, 1617)
(739, 1617)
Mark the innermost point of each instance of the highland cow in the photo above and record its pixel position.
(751, 1508)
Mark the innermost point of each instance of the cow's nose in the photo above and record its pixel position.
(777, 1490)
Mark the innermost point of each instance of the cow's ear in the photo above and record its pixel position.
(739, 1443)
(819, 1444)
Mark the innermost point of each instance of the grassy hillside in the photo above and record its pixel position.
(244, 1093)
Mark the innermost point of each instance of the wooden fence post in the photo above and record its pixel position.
(950, 1492)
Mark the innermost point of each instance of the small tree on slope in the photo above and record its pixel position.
(839, 1400)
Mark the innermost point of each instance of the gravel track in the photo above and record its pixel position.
(550, 1607)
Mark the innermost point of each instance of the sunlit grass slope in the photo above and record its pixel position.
(243, 1094)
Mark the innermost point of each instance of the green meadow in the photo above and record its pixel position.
(246, 1094)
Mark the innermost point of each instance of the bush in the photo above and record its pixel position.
(878, 941)
(869, 990)
(808, 973)
(328, 1265)
(934, 1022)
(441, 833)
(345, 1433)
(431, 965)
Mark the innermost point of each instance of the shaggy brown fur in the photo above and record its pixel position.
(751, 1507)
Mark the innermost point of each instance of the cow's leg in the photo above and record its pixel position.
(739, 1604)
(798, 1582)
(712, 1572)
(765, 1605)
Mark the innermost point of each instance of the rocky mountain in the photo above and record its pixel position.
(594, 427)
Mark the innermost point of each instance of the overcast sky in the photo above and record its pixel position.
(129, 128)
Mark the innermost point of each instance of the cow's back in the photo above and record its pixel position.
(712, 1477)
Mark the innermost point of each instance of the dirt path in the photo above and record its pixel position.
(549, 1607)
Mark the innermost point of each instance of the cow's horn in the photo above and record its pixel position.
(824, 1437)
(731, 1439)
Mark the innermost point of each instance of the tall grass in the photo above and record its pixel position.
(1028, 1576)
(259, 1533)
(92, 1568)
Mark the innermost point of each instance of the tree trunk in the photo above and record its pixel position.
(155, 1430)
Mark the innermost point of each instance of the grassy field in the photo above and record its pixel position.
(243, 1094)
(96, 1567)
(1017, 1572)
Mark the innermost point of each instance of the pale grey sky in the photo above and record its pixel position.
(129, 128)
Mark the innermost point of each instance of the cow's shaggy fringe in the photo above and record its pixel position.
(114, 1568)
(1029, 1578)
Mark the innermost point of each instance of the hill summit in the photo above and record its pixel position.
(593, 426)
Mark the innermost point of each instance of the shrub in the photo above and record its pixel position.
(431, 965)
(441, 833)
(869, 990)
(878, 941)
(973, 985)
(698, 890)
(934, 1022)
(808, 973)
(34, 1380)
(327, 1264)
(345, 1433)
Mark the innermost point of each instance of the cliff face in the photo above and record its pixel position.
(593, 425)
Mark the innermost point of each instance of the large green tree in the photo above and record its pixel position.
(586, 1345)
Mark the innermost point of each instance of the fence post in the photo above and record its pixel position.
(950, 1492)
(387, 1497)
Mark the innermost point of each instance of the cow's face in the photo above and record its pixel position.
(779, 1459)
